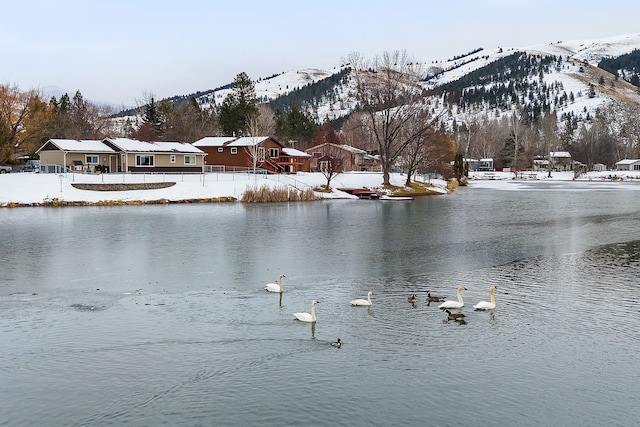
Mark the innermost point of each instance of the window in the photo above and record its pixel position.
(234, 150)
(93, 160)
(220, 149)
(261, 154)
(144, 160)
(189, 159)
(274, 152)
(172, 158)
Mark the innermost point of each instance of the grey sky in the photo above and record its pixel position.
(117, 50)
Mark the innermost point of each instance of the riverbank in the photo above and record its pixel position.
(71, 189)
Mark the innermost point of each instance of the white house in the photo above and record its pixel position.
(628, 165)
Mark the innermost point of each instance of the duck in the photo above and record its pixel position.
(485, 305)
(275, 287)
(337, 343)
(454, 304)
(363, 302)
(412, 298)
(454, 316)
(306, 317)
(435, 298)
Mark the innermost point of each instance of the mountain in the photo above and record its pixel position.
(563, 77)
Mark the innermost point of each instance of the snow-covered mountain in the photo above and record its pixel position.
(578, 70)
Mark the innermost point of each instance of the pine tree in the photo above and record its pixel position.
(239, 107)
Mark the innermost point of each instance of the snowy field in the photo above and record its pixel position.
(31, 188)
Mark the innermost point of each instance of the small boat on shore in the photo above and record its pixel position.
(394, 198)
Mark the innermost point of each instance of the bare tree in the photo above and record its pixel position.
(331, 164)
(390, 95)
(259, 125)
(16, 107)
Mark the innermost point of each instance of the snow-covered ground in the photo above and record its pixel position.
(32, 188)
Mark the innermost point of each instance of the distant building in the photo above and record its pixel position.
(628, 165)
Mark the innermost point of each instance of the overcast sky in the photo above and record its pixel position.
(119, 50)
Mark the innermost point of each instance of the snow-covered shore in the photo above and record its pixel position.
(41, 189)
(37, 189)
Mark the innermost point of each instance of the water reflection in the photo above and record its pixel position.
(183, 288)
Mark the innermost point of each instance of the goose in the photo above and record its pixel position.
(363, 302)
(337, 343)
(275, 287)
(454, 316)
(435, 298)
(484, 305)
(306, 317)
(454, 304)
(412, 298)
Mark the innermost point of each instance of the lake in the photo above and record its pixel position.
(150, 315)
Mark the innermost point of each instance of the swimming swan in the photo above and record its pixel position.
(275, 287)
(306, 317)
(484, 305)
(363, 302)
(435, 298)
(454, 304)
(454, 316)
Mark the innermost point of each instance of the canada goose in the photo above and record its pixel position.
(412, 298)
(454, 304)
(363, 302)
(454, 316)
(484, 305)
(435, 298)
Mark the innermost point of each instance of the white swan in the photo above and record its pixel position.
(454, 304)
(275, 287)
(363, 302)
(484, 305)
(306, 317)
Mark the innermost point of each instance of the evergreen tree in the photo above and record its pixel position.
(239, 107)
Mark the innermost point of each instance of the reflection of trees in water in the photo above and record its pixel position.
(622, 254)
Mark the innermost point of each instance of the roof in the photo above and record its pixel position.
(247, 141)
(559, 154)
(627, 161)
(79, 145)
(132, 145)
(295, 153)
(213, 141)
(340, 146)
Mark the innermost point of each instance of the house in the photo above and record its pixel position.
(628, 165)
(353, 159)
(238, 153)
(560, 161)
(141, 156)
(121, 155)
(78, 155)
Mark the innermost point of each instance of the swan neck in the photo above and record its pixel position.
(313, 312)
(459, 296)
(493, 298)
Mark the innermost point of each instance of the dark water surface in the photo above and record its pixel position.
(150, 315)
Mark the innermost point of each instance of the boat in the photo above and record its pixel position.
(394, 198)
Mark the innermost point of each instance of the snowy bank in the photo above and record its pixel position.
(36, 189)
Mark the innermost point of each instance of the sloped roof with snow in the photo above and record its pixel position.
(213, 141)
(79, 145)
(295, 153)
(247, 141)
(132, 145)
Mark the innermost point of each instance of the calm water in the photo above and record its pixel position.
(152, 315)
